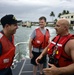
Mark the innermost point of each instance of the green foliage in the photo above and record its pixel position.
(52, 14)
(63, 12)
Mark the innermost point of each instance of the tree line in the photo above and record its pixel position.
(62, 13)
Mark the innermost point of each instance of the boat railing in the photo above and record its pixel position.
(18, 54)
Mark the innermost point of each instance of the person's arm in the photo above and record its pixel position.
(49, 38)
(44, 52)
(30, 43)
(30, 47)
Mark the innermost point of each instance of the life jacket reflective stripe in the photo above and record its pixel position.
(63, 58)
(41, 40)
(8, 52)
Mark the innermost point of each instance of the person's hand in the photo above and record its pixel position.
(31, 55)
(38, 59)
(47, 71)
(53, 70)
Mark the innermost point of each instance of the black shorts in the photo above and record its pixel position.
(35, 55)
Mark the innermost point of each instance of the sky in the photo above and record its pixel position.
(31, 10)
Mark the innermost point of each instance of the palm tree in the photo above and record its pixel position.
(64, 12)
(59, 15)
(55, 21)
(52, 15)
(67, 12)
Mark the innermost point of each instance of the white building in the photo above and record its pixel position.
(69, 17)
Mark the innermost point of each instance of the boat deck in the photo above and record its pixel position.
(24, 68)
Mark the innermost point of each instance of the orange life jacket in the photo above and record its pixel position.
(57, 46)
(8, 51)
(41, 40)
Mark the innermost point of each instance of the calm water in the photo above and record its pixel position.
(23, 34)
